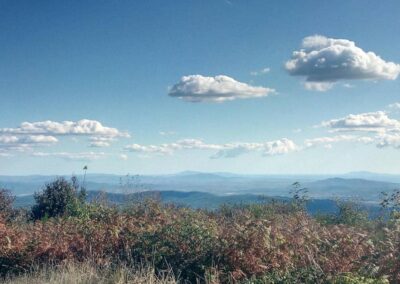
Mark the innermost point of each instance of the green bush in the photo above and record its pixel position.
(185, 243)
(6, 202)
(349, 213)
(59, 198)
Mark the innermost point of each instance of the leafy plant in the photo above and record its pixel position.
(59, 198)
(6, 203)
(299, 196)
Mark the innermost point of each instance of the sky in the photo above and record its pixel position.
(150, 87)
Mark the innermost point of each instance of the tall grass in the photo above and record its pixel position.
(87, 273)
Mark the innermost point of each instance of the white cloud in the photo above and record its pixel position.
(233, 150)
(328, 60)
(152, 149)
(385, 129)
(123, 157)
(99, 135)
(198, 88)
(168, 149)
(82, 156)
(260, 72)
(279, 147)
(167, 133)
(348, 86)
(194, 144)
(99, 142)
(326, 140)
(81, 127)
(395, 106)
(38, 139)
(329, 140)
(365, 139)
(318, 86)
(371, 122)
(229, 150)
(24, 143)
(269, 148)
(389, 140)
(7, 139)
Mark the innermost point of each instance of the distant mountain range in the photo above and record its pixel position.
(363, 186)
(204, 200)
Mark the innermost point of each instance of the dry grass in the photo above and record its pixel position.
(86, 273)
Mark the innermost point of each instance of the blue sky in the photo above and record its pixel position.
(121, 73)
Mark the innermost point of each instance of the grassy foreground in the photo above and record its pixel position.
(260, 243)
(86, 273)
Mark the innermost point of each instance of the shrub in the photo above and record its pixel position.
(356, 279)
(6, 204)
(59, 198)
(348, 213)
(179, 238)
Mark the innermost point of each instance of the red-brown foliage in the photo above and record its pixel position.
(238, 246)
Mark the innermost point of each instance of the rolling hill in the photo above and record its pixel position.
(220, 184)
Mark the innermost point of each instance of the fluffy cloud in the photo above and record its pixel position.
(229, 150)
(197, 88)
(233, 150)
(371, 122)
(152, 149)
(37, 132)
(81, 127)
(194, 144)
(24, 143)
(389, 140)
(327, 60)
(270, 148)
(38, 139)
(385, 130)
(8, 139)
(83, 156)
(167, 149)
(99, 142)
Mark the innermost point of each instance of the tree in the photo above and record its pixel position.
(299, 196)
(6, 203)
(59, 198)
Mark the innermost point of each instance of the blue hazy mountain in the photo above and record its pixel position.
(359, 189)
(203, 200)
(352, 185)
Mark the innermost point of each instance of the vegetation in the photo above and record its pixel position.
(88, 273)
(6, 204)
(150, 242)
(59, 198)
